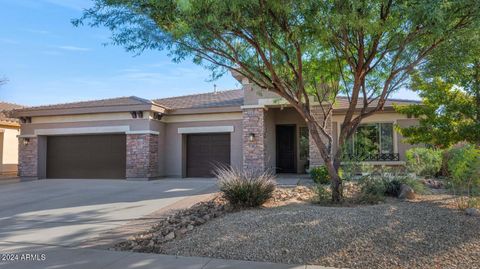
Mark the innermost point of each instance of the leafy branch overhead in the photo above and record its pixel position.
(449, 85)
(305, 51)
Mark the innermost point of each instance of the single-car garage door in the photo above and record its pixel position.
(86, 156)
(204, 151)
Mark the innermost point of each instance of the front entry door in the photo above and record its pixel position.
(286, 149)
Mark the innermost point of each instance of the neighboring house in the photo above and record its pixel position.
(9, 130)
(186, 136)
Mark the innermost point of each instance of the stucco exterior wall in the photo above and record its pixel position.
(132, 125)
(82, 117)
(270, 145)
(160, 128)
(253, 93)
(402, 145)
(8, 150)
(175, 150)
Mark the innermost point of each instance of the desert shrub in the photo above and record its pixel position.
(392, 187)
(386, 181)
(424, 161)
(319, 174)
(416, 185)
(464, 169)
(372, 188)
(323, 195)
(348, 171)
(245, 188)
(351, 166)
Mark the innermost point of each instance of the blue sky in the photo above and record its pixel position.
(47, 60)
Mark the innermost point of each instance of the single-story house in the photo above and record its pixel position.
(137, 139)
(9, 130)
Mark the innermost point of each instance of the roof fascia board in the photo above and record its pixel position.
(87, 110)
(208, 110)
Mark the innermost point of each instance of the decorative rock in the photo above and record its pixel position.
(170, 236)
(472, 212)
(182, 231)
(406, 192)
(432, 183)
(190, 227)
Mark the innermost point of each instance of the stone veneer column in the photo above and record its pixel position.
(314, 154)
(254, 152)
(142, 156)
(28, 158)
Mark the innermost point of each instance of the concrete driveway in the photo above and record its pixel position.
(67, 212)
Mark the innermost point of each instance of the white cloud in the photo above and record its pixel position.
(73, 48)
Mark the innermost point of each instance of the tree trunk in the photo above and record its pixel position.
(336, 181)
(332, 168)
(476, 93)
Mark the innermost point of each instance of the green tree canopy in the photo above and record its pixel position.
(305, 51)
(449, 85)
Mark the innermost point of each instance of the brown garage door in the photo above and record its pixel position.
(86, 156)
(204, 151)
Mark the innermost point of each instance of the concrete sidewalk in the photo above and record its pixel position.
(64, 257)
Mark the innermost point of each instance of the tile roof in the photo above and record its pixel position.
(5, 109)
(204, 100)
(119, 101)
(342, 102)
(228, 98)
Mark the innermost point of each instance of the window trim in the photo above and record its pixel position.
(367, 121)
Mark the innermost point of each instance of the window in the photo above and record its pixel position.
(372, 141)
(304, 144)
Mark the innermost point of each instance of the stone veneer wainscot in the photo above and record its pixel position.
(254, 152)
(28, 157)
(142, 156)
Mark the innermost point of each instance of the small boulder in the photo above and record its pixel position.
(181, 231)
(406, 192)
(170, 236)
(472, 212)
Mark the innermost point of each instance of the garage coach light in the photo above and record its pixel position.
(136, 114)
(26, 141)
(251, 137)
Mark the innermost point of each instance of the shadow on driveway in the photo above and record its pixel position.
(68, 212)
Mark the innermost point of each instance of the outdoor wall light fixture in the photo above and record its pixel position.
(26, 119)
(251, 137)
(26, 141)
(136, 114)
(157, 116)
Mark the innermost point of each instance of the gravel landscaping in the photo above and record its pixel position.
(425, 233)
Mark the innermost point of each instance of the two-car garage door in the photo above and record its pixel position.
(86, 156)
